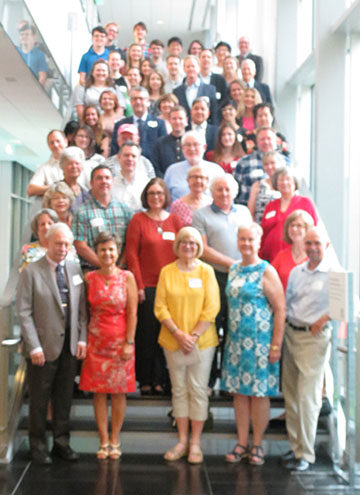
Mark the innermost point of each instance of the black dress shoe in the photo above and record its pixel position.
(65, 452)
(289, 456)
(299, 465)
(41, 457)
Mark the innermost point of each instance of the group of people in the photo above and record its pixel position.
(184, 263)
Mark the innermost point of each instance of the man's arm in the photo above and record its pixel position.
(42, 76)
(86, 252)
(24, 306)
(211, 255)
(36, 190)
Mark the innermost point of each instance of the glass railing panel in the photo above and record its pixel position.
(19, 25)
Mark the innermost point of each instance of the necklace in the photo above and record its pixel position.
(158, 225)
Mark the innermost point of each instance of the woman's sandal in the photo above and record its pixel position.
(115, 452)
(176, 452)
(236, 455)
(195, 454)
(256, 457)
(103, 452)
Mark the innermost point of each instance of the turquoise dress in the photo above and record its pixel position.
(246, 369)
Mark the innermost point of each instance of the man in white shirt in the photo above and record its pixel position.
(129, 183)
(50, 171)
(175, 74)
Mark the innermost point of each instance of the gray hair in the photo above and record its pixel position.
(194, 58)
(230, 181)
(60, 227)
(35, 220)
(141, 89)
(201, 168)
(202, 99)
(71, 153)
(59, 187)
(200, 138)
(250, 63)
(255, 227)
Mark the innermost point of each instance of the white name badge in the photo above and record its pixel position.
(77, 280)
(256, 174)
(168, 236)
(270, 214)
(239, 282)
(152, 123)
(218, 95)
(97, 222)
(318, 285)
(195, 283)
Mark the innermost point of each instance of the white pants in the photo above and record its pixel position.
(304, 360)
(189, 385)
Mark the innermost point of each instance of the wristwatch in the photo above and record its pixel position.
(130, 342)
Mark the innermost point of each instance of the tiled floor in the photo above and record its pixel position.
(146, 474)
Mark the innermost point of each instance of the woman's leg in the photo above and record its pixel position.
(118, 408)
(101, 415)
(180, 407)
(242, 418)
(260, 412)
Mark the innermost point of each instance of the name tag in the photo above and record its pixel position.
(168, 236)
(239, 282)
(270, 214)
(77, 280)
(97, 222)
(256, 174)
(152, 123)
(318, 285)
(218, 95)
(195, 283)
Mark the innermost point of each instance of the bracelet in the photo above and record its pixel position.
(196, 335)
(173, 330)
(274, 347)
(130, 342)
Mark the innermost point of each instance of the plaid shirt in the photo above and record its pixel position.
(92, 218)
(248, 170)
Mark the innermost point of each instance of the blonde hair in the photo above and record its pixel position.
(189, 232)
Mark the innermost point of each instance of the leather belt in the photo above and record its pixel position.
(303, 328)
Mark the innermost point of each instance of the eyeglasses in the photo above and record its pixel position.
(202, 177)
(156, 193)
(188, 243)
(192, 145)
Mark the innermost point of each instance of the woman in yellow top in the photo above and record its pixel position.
(187, 302)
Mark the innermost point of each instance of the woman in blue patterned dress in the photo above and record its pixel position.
(253, 347)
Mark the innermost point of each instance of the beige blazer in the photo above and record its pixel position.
(41, 316)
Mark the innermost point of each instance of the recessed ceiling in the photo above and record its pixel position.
(184, 18)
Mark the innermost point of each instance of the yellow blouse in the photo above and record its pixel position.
(187, 298)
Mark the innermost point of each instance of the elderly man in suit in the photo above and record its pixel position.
(52, 316)
(150, 127)
(245, 53)
(193, 87)
(248, 72)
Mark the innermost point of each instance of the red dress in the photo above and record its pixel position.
(103, 370)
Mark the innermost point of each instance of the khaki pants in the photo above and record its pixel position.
(304, 361)
(189, 385)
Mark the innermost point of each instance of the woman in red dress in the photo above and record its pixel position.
(109, 367)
